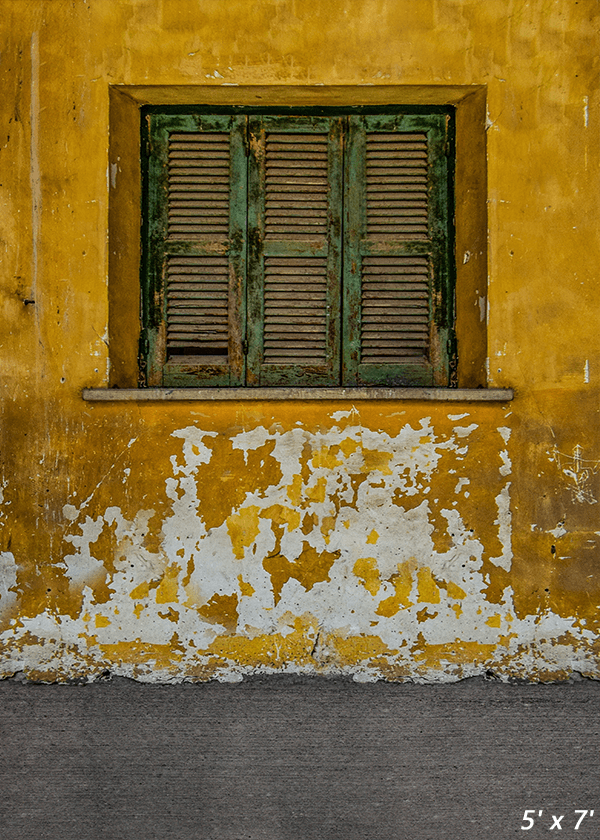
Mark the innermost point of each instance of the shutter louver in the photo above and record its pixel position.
(199, 212)
(198, 287)
(395, 309)
(197, 307)
(295, 282)
(295, 300)
(392, 252)
(296, 186)
(198, 192)
(396, 182)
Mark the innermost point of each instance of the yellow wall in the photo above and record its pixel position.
(391, 539)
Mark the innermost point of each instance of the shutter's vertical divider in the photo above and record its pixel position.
(256, 237)
(334, 250)
(354, 225)
(238, 250)
(440, 216)
(155, 222)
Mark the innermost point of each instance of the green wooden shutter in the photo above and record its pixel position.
(294, 238)
(194, 274)
(397, 290)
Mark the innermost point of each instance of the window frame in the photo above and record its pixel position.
(123, 252)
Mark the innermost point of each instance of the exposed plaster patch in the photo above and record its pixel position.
(8, 581)
(463, 431)
(504, 523)
(505, 432)
(82, 566)
(559, 531)
(506, 467)
(462, 482)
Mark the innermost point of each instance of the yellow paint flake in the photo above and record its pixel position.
(352, 649)
(138, 653)
(169, 586)
(425, 615)
(403, 583)
(272, 650)
(494, 620)
(457, 609)
(327, 526)
(366, 570)
(171, 614)
(505, 640)
(317, 492)
(102, 621)
(309, 568)
(373, 537)
(348, 446)
(294, 490)
(428, 589)
(375, 460)
(222, 609)
(455, 591)
(309, 522)
(281, 515)
(138, 610)
(243, 528)
(467, 653)
(326, 458)
(140, 591)
(245, 587)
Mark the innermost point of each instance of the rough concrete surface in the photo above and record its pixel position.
(283, 758)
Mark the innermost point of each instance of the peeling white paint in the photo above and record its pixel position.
(559, 531)
(504, 523)
(8, 580)
(463, 431)
(358, 486)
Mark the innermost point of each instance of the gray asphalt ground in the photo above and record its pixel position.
(283, 758)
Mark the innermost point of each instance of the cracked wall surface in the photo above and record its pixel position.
(384, 540)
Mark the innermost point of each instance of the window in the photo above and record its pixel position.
(309, 248)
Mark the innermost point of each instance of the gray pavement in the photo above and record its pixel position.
(283, 758)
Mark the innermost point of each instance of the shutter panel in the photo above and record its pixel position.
(197, 212)
(397, 260)
(295, 198)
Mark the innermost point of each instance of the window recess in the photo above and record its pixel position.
(297, 250)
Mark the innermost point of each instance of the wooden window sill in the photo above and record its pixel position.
(268, 394)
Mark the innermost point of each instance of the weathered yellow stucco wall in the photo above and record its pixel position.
(397, 540)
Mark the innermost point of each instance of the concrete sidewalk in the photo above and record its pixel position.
(283, 758)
